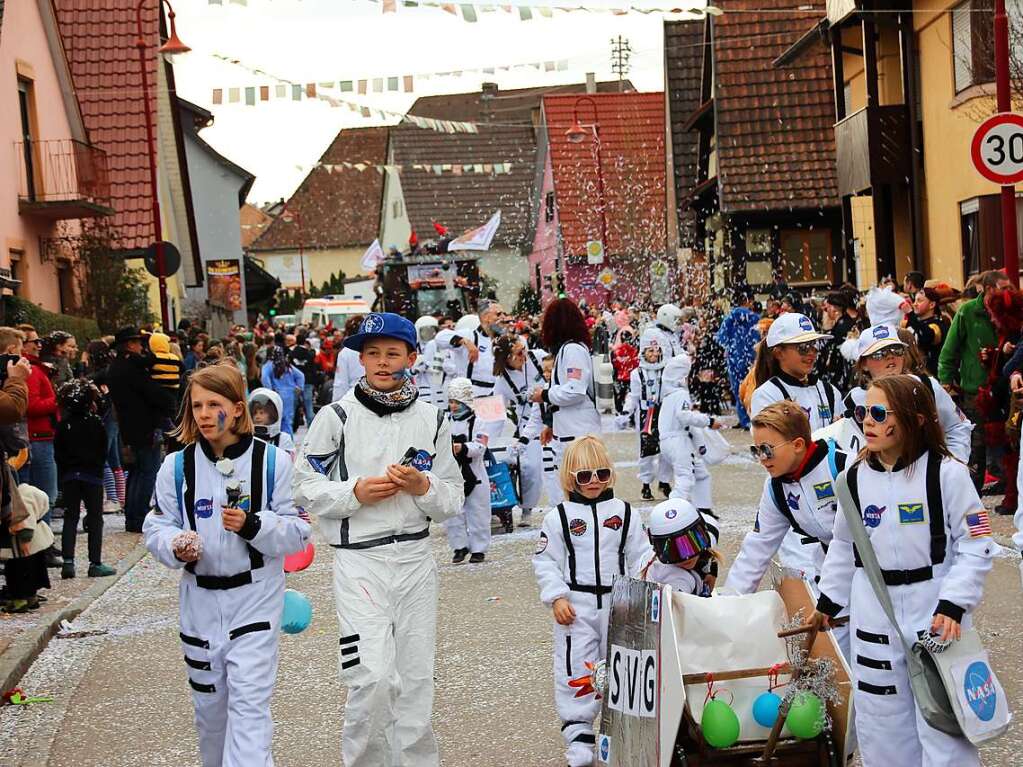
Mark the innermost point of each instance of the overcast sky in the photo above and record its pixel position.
(331, 40)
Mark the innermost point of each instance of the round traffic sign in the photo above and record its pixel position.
(171, 259)
(997, 148)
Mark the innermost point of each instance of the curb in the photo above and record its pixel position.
(21, 654)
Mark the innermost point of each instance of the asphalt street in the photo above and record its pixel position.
(121, 696)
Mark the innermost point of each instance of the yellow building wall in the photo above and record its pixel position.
(949, 123)
(319, 265)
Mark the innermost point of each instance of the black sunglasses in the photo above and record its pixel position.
(805, 348)
(585, 476)
(888, 351)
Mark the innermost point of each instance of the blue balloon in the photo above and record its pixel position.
(298, 612)
(765, 709)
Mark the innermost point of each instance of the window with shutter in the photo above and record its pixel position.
(973, 41)
(962, 57)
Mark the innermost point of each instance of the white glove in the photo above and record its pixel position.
(514, 449)
(622, 421)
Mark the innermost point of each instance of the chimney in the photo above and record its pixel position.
(489, 90)
(591, 82)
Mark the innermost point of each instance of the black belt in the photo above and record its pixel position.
(373, 543)
(907, 577)
(810, 540)
(599, 590)
(484, 384)
(564, 439)
(223, 582)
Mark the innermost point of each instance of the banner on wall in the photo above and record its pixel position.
(224, 284)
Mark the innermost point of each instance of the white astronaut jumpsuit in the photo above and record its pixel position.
(481, 372)
(954, 423)
(231, 599)
(578, 537)
(932, 538)
(688, 581)
(271, 433)
(431, 388)
(347, 371)
(470, 527)
(525, 449)
(682, 443)
(645, 401)
(385, 578)
(669, 340)
(822, 403)
(572, 397)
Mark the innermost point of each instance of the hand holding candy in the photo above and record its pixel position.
(187, 546)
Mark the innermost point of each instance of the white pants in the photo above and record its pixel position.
(655, 468)
(229, 639)
(531, 474)
(582, 642)
(551, 480)
(387, 608)
(470, 527)
(889, 727)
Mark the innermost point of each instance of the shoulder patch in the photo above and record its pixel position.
(577, 527)
(204, 508)
(541, 544)
(613, 523)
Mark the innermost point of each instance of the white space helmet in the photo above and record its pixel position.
(676, 371)
(460, 390)
(670, 316)
(268, 400)
(651, 337)
(426, 328)
(468, 323)
(679, 532)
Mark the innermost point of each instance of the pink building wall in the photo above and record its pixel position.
(26, 52)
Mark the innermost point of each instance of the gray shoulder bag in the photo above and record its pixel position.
(944, 683)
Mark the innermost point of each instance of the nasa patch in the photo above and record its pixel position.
(805, 324)
(613, 523)
(541, 544)
(422, 461)
(872, 515)
(880, 331)
(577, 527)
(373, 323)
(604, 748)
(980, 691)
(671, 513)
(204, 508)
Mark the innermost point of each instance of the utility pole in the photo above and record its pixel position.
(620, 53)
(1010, 242)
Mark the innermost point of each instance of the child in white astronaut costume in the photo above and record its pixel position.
(665, 331)
(683, 541)
(223, 513)
(375, 468)
(590, 527)
(425, 369)
(881, 352)
(643, 404)
(540, 427)
(681, 439)
(932, 538)
(266, 409)
(469, 530)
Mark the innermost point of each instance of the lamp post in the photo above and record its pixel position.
(576, 135)
(171, 47)
(1010, 242)
(289, 216)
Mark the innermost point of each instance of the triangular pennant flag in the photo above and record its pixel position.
(468, 13)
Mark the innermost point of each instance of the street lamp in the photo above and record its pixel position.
(576, 135)
(171, 47)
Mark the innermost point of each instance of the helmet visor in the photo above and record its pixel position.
(678, 547)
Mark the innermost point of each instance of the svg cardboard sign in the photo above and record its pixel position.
(632, 681)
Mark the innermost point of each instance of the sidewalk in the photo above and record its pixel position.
(22, 636)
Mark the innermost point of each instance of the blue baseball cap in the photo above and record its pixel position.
(383, 325)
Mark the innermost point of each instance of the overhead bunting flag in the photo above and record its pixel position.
(373, 256)
(478, 238)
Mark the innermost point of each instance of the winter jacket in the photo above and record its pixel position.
(81, 445)
(971, 330)
(142, 405)
(42, 403)
(165, 367)
(626, 359)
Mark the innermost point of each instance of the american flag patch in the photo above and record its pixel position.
(978, 524)
(575, 374)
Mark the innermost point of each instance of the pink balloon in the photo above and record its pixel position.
(299, 560)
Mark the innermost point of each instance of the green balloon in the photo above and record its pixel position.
(720, 725)
(806, 716)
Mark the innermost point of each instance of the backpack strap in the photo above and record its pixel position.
(778, 384)
(783, 507)
(179, 482)
(440, 422)
(833, 458)
(627, 520)
(852, 480)
(271, 474)
(829, 394)
(341, 465)
(936, 508)
(566, 534)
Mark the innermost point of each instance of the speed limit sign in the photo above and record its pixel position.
(997, 149)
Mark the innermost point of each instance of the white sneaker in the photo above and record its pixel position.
(111, 507)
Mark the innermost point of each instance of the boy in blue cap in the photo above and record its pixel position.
(376, 467)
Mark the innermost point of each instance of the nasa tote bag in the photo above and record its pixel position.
(977, 695)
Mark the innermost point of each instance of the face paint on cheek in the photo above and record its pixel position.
(890, 431)
(221, 420)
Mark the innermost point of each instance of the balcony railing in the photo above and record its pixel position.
(872, 147)
(62, 179)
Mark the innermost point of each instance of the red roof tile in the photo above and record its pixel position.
(99, 40)
(631, 127)
(339, 208)
(775, 126)
(683, 62)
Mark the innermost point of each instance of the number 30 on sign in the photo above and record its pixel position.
(997, 149)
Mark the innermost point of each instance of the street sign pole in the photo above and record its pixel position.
(1010, 242)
